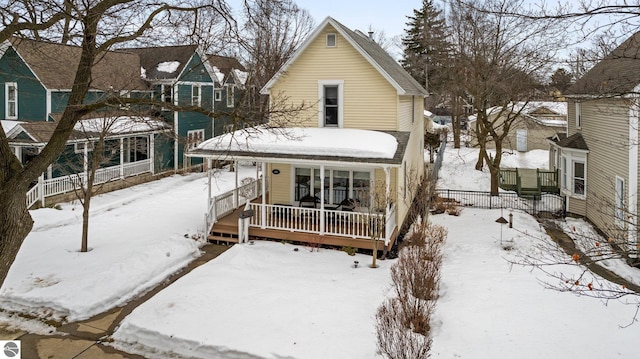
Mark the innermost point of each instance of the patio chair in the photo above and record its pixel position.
(309, 201)
(348, 204)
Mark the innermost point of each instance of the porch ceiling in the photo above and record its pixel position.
(302, 156)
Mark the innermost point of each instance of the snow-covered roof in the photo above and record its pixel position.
(168, 66)
(8, 125)
(241, 76)
(120, 125)
(338, 144)
(218, 74)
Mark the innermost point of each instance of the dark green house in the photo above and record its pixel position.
(36, 79)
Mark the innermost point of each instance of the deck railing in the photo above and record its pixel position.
(359, 224)
(225, 203)
(64, 184)
(546, 202)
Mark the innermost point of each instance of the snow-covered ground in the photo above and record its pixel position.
(137, 237)
(268, 300)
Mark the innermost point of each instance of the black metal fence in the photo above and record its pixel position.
(544, 204)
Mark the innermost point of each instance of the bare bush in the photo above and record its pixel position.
(403, 322)
(394, 339)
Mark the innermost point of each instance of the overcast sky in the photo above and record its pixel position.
(388, 16)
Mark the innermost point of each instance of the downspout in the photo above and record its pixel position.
(633, 173)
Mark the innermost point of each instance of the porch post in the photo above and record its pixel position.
(263, 210)
(121, 158)
(50, 171)
(387, 212)
(321, 199)
(152, 150)
(86, 164)
(235, 190)
(209, 190)
(41, 189)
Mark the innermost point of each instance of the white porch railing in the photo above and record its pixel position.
(225, 203)
(361, 225)
(358, 224)
(65, 184)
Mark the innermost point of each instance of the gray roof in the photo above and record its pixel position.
(401, 137)
(575, 141)
(151, 57)
(55, 65)
(384, 60)
(370, 50)
(617, 74)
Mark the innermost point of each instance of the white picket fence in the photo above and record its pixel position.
(58, 185)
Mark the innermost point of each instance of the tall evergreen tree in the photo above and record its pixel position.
(425, 46)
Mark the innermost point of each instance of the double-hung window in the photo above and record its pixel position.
(11, 102)
(194, 138)
(195, 95)
(231, 93)
(578, 115)
(330, 94)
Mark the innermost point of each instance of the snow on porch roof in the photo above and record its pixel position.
(337, 144)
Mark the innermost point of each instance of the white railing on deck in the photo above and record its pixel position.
(33, 195)
(225, 203)
(339, 223)
(65, 184)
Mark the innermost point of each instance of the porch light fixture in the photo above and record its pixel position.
(275, 171)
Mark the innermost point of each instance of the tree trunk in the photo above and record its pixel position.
(15, 224)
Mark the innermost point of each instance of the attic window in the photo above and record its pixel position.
(331, 40)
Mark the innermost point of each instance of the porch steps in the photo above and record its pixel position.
(223, 233)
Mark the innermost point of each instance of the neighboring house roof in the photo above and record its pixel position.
(55, 66)
(7, 125)
(388, 67)
(40, 132)
(321, 144)
(546, 113)
(166, 62)
(617, 74)
(225, 66)
(575, 141)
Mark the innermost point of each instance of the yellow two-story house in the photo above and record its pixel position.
(343, 168)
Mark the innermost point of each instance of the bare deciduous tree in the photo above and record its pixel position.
(101, 25)
(500, 58)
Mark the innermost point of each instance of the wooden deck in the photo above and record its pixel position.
(226, 230)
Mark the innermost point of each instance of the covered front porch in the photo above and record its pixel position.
(248, 206)
(346, 197)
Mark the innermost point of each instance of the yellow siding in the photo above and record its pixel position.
(605, 128)
(370, 102)
(410, 109)
(280, 184)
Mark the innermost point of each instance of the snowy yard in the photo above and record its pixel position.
(268, 300)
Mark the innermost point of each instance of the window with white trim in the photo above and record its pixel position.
(620, 206)
(574, 174)
(331, 40)
(194, 138)
(195, 95)
(217, 95)
(231, 93)
(330, 104)
(11, 100)
(339, 184)
(578, 115)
